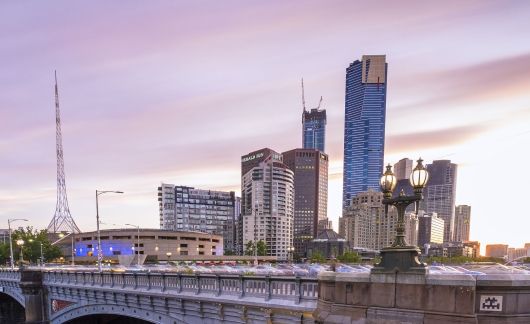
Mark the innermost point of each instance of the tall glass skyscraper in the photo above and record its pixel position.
(439, 194)
(364, 127)
(314, 129)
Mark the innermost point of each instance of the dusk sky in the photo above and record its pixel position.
(176, 92)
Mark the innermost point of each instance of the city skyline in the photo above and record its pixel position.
(180, 100)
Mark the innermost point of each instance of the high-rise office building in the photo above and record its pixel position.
(188, 209)
(439, 194)
(430, 229)
(364, 125)
(230, 230)
(310, 168)
(313, 126)
(403, 169)
(462, 223)
(411, 229)
(365, 225)
(517, 253)
(314, 129)
(166, 204)
(267, 202)
(358, 224)
(496, 250)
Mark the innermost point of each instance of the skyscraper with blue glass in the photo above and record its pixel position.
(364, 127)
(314, 126)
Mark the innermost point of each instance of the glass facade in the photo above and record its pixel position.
(364, 127)
(314, 129)
(439, 194)
(188, 209)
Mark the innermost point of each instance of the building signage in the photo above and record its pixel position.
(251, 157)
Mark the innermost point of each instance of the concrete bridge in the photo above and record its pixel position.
(40, 296)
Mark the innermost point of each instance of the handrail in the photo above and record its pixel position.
(297, 289)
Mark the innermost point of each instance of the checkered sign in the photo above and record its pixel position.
(490, 303)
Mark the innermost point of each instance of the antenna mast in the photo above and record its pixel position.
(62, 220)
(320, 102)
(303, 95)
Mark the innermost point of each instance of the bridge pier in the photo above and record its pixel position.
(423, 299)
(34, 296)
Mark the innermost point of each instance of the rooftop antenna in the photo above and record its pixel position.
(62, 220)
(303, 95)
(320, 102)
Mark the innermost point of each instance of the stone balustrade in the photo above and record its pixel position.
(59, 296)
(8, 274)
(295, 289)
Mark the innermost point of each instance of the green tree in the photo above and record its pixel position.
(262, 248)
(462, 259)
(317, 257)
(4, 253)
(349, 257)
(249, 248)
(32, 246)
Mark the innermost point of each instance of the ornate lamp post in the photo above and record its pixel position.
(401, 257)
(21, 244)
(9, 221)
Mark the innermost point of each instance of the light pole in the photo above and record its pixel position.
(168, 254)
(41, 256)
(138, 242)
(73, 247)
(100, 252)
(9, 221)
(21, 244)
(401, 257)
(256, 234)
(291, 254)
(31, 243)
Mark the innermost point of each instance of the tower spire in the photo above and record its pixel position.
(303, 96)
(62, 220)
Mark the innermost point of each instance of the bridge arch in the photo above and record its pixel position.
(11, 309)
(14, 294)
(148, 316)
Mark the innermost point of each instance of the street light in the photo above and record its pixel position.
(401, 257)
(41, 256)
(168, 254)
(291, 254)
(21, 244)
(9, 221)
(138, 240)
(256, 234)
(100, 252)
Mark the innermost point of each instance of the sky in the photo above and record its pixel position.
(178, 91)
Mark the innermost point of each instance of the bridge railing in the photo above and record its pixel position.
(266, 287)
(9, 274)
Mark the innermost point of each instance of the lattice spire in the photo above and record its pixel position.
(62, 221)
